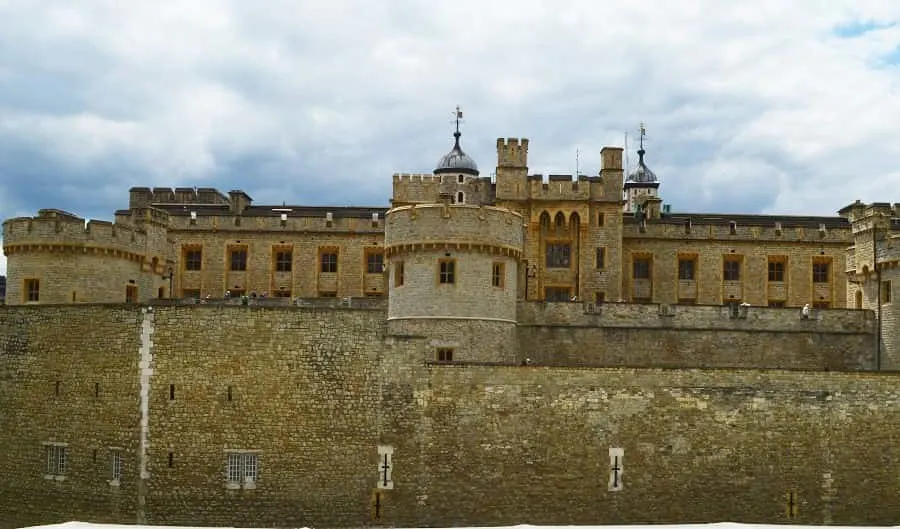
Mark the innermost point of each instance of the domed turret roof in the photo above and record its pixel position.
(456, 161)
(643, 174)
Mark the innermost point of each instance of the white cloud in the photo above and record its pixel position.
(757, 108)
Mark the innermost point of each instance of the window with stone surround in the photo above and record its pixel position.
(687, 268)
(32, 290)
(498, 275)
(374, 262)
(731, 269)
(194, 293)
(284, 260)
(444, 354)
(559, 255)
(116, 470)
(398, 274)
(777, 266)
(56, 460)
(601, 258)
(640, 268)
(131, 294)
(820, 271)
(238, 258)
(241, 469)
(329, 261)
(447, 271)
(193, 259)
(886, 292)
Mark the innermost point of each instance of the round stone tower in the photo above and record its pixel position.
(453, 279)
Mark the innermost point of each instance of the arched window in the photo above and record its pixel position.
(460, 197)
(560, 220)
(574, 221)
(545, 220)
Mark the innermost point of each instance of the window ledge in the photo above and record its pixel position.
(114, 483)
(55, 477)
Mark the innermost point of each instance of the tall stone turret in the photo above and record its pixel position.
(453, 279)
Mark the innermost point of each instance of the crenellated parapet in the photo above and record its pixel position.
(480, 228)
(705, 227)
(279, 220)
(51, 231)
(569, 188)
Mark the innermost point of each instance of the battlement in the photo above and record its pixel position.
(460, 225)
(416, 177)
(279, 219)
(512, 152)
(55, 228)
(566, 187)
(145, 196)
(825, 230)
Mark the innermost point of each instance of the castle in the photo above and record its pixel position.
(486, 350)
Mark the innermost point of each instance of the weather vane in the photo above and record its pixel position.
(643, 133)
(458, 114)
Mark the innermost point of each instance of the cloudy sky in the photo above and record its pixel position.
(765, 106)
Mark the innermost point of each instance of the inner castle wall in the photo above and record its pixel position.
(315, 392)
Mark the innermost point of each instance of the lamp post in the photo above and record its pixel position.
(171, 278)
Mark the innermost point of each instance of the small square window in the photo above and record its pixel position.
(284, 261)
(193, 260)
(444, 354)
(374, 263)
(329, 261)
(447, 272)
(239, 260)
(498, 275)
(32, 290)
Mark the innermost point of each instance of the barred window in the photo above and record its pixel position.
(116, 465)
(242, 468)
(686, 269)
(56, 456)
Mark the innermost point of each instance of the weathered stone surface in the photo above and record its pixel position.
(315, 391)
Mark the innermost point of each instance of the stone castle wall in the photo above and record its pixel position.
(77, 261)
(315, 392)
(694, 336)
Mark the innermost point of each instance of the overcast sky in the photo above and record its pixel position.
(767, 106)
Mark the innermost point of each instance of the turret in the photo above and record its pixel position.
(512, 168)
(641, 182)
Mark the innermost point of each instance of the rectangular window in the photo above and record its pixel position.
(116, 465)
(776, 271)
(601, 258)
(239, 260)
(599, 297)
(444, 354)
(32, 290)
(284, 260)
(193, 259)
(56, 456)
(398, 274)
(885, 292)
(687, 301)
(687, 268)
(242, 469)
(447, 272)
(821, 305)
(329, 262)
(374, 263)
(194, 293)
(559, 255)
(600, 219)
(731, 270)
(131, 294)
(776, 304)
(498, 275)
(640, 268)
(557, 294)
(820, 272)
